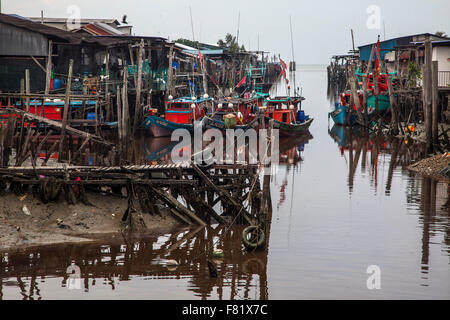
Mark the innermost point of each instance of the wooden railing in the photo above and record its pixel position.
(444, 79)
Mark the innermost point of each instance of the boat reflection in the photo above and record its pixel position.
(357, 145)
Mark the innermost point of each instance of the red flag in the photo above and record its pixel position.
(241, 82)
(283, 64)
(200, 55)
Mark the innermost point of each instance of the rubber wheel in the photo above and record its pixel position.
(256, 239)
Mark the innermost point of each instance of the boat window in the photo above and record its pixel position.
(271, 115)
(284, 117)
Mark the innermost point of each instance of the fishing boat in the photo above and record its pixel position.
(180, 113)
(52, 109)
(288, 117)
(341, 115)
(237, 113)
(376, 88)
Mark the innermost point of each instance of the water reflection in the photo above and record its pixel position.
(428, 195)
(242, 274)
(356, 145)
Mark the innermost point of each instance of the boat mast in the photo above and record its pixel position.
(293, 56)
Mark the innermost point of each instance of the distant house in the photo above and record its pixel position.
(24, 44)
(61, 23)
(387, 46)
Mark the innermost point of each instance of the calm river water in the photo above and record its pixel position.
(343, 205)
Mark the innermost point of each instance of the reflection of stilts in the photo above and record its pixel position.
(428, 207)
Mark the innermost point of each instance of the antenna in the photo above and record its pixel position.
(192, 25)
(237, 37)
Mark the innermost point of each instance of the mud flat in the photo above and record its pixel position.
(432, 166)
(26, 221)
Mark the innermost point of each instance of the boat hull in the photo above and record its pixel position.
(289, 130)
(210, 123)
(341, 116)
(383, 102)
(159, 127)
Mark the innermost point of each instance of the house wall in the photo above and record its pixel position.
(20, 42)
(441, 55)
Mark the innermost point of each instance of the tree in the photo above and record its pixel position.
(441, 34)
(187, 42)
(231, 44)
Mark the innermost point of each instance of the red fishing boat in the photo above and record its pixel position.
(180, 113)
(287, 114)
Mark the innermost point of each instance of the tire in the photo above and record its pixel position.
(250, 244)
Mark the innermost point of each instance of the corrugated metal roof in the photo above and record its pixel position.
(97, 30)
(64, 20)
(58, 34)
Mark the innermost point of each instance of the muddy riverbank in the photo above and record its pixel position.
(26, 221)
(432, 166)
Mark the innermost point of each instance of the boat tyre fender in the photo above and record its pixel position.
(256, 239)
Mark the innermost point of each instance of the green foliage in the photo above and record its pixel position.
(231, 44)
(441, 34)
(414, 74)
(187, 42)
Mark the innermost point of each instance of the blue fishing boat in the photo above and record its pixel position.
(341, 116)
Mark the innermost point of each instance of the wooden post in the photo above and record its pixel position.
(355, 93)
(364, 93)
(48, 70)
(66, 109)
(169, 89)
(27, 88)
(130, 48)
(107, 96)
(393, 103)
(119, 114)
(205, 79)
(434, 102)
(427, 93)
(125, 114)
(138, 106)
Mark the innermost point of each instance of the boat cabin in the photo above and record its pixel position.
(185, 110)
(284, 109)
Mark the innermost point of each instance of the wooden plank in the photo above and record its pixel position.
(222, 193)
(167, 198)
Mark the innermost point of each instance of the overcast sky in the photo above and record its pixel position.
(320, 28)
